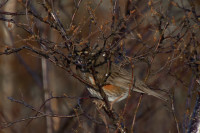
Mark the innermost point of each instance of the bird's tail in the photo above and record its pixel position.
(143, 88)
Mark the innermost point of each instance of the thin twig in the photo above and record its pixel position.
(135, 113)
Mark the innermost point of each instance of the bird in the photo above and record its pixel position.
(118, 84)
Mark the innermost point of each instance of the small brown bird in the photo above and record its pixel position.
(118, 84)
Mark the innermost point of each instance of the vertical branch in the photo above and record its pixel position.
(49, 122)
(45, 77)
(194, 126)
(135, 113)
(188, 102)
(174, 114)
(6, 69)
(115, 13)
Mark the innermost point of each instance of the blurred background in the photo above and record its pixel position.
(27, 79)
